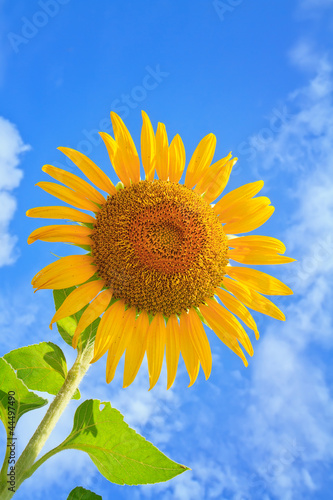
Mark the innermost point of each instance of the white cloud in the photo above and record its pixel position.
(11, 146)
(303, 142)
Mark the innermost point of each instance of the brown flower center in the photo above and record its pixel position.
(160, 247)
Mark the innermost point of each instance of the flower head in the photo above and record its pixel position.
(158, 253)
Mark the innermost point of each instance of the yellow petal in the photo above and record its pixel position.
(80, 235)
(155, 348)
(148, 147)
(200, 161)
(257, 250)
(116, 159)
(90, 170)
(68, 196)
(77, 299)
(162, 152)
(215, 187)
(176, 159)
(256, 242)
(258, 258)
(216, 177)
(237, 195)
(209, 177)
(241, 210)
(119, 343)
(126, 148)
(111, 323)
(93, 311)
(259, 281)
(253, 299)
(60, 213)
(172, 348)
(65, 272)
(190, 356)
(230, 324)
(214, 321)
(136, 349)
(251, 219)
(237, 308)
(74, 182)
(199, 340)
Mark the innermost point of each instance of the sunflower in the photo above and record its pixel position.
(158, 253)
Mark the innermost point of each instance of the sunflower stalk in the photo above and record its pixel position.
(25, 466)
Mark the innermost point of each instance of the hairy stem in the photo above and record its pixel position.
(58, 405)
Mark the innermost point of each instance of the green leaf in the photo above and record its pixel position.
(67, 326)
(42, 367)
(119, 453)
(80, 493)
(23, 401)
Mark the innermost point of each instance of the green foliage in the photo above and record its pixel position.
(67, 326)
(119, 453)
(42, 367)
(80, 493)
(22, 401)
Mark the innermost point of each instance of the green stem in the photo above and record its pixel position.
(4, 469)
(58, 405)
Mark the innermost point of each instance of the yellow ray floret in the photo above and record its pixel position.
(213, 320)
(127, 155)
(253, 299)
(199, 340)
(115, 159)
(247, 216)
(119, 343)
(90, 170)
(176, 159)
(155, 348)
(93, 311)
(68, 196)
(74, 182)
(60, 213)
(172, 348)
(259, 281)
(236, 307)
(215, 179)
(148, 147)
(136, 349)
(79, 235)
(189, 354)
(76, 300)
(237, 195)
(110, 324)
(258, 250)
(65, 272)
(162, 153)
(200, 161)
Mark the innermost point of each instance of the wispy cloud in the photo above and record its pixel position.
(11, 147)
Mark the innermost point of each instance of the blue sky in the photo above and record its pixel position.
(259, 76)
